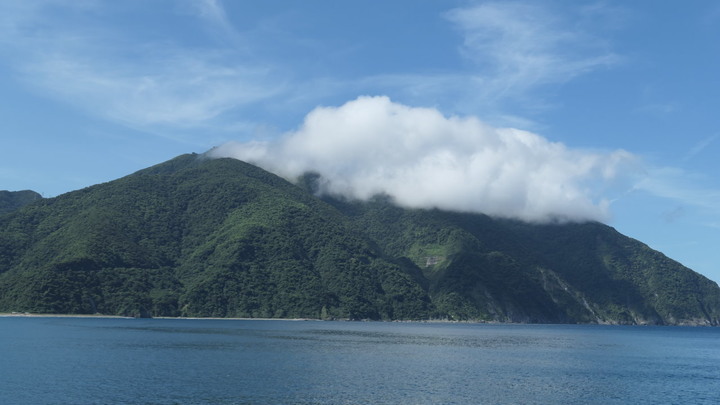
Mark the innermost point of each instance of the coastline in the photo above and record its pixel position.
(42, 315)
(101, 316)
(39, 315)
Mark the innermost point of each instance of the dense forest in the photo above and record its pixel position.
(222, 238)
(13, 200)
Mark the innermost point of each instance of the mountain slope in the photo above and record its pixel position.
(197, 237)
(219, 237)
(12, 200)
(480, 267)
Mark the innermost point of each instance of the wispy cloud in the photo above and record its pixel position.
(213, 11)
(512, 50)
(216, 19)
(517, 46)
(681, 186)
(700, 147)
(172, 87)
(140, 81)
(86, 53)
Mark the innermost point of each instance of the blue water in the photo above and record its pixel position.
(162, 361)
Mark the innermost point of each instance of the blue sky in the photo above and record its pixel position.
(602, 110)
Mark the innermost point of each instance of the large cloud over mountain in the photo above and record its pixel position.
(424, 159)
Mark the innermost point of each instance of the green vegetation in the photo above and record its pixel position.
(218, 237)
(12, 200)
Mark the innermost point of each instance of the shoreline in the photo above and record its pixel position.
(38, 315)
(101, 316)
(441, 321)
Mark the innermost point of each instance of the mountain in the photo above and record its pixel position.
(219, 237)
(478, 267)
(12, 200)
(198, 237)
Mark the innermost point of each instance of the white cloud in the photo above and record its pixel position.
(424, 159)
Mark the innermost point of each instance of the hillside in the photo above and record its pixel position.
(478, 267)
(198, 237)
(219, 237)
(12, 200)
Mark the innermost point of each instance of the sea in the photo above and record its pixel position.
(66, 360)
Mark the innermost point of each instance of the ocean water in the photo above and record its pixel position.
(184, 361)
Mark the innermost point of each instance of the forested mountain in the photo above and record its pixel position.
(478, 267)
(12, 200)
(219, 237)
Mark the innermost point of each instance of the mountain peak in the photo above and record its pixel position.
(13, 200)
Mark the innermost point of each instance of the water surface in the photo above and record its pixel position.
(181, 361)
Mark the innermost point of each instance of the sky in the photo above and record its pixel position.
(536, 110)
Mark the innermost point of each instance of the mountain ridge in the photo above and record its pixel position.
(196, 236)
(13, 200)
